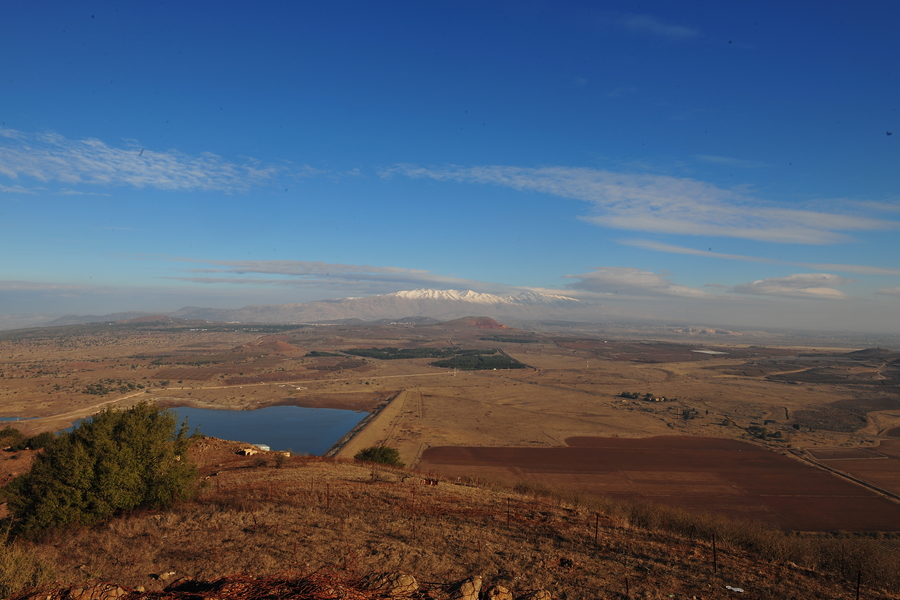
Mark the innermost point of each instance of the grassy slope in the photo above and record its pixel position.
(256, 519)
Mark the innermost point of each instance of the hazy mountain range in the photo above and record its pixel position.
(441, 305)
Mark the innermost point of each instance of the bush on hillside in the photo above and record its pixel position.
(384, 455)
(35, 443)
(10, 436)
(115, 461)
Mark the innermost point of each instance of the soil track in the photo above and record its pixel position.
(724, 476)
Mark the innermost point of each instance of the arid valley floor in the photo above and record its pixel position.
(805, 438)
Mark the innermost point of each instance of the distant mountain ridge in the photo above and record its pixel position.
(441, 305)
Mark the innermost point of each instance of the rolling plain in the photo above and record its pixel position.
(805, 438)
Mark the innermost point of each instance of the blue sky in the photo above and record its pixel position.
(706, 162)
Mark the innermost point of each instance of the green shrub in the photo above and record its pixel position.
(384, 455)
(37, 442)
(115, 461)
(10, 436)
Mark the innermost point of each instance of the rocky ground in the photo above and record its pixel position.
(269, 527)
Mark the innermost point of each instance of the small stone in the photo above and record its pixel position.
(467, 589)
(498, 592)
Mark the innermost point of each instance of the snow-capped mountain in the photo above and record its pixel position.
(437, 304)
(479, 298)
(442, 305)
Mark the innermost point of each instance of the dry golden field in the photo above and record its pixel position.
(798, 402)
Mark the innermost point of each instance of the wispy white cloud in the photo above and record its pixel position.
(673, 249)
(52, 157)
(889, 291)
(15, 189)
(881, 206)
(361, 278)
(79, 193)
(663, 204)
(801, 285)
(633, 282)
(856, 269)
(648, 24)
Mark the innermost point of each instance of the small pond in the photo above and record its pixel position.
(294, 428)
(300, 430)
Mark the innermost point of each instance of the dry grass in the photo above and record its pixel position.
(314, 514)
(22, 568)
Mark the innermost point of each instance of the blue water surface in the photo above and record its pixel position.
(294, 428)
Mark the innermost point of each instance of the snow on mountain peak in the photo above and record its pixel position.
(467, 296)
(480, 298)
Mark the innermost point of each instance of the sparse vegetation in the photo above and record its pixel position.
(525, 538)
(362, 516)
(107, 386)
(21, 569)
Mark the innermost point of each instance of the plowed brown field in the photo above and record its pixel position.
(705, 474)
(880, 466)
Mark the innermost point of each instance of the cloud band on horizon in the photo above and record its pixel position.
(673, 249)
(363, 278)
(663, 204)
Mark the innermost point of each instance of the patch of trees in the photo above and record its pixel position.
(384, 455)
(480, 360)
(400, 353)
(831, 418)
(116, 461)
(13, 439)
(760, 432)
(319, 353)
(107, 386)
(187, 363)
(10, 437)
(647, 397)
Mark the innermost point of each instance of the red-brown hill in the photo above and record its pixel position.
(479, 322)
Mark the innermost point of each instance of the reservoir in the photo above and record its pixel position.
(294, 428)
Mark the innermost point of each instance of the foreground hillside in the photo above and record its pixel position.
(262, 516)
